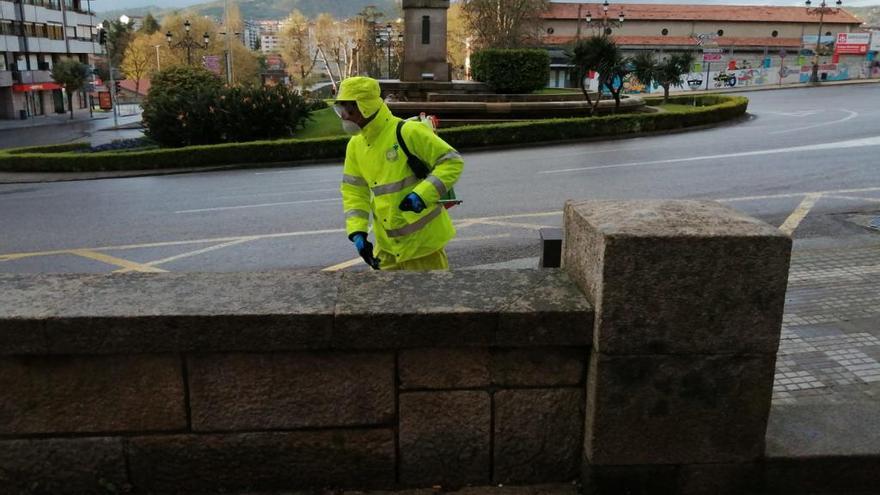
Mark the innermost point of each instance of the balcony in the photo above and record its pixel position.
(31, 76)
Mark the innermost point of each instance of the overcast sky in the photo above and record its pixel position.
(851, 3)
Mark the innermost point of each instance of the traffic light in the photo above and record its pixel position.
(118, 87)
(102, 36)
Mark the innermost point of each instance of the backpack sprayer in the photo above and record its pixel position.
(420, 168)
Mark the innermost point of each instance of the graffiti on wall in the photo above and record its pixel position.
(827, 72)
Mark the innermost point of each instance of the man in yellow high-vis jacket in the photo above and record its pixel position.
(410, 226)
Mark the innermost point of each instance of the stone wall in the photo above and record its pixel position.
(202, 383)
(208, 382)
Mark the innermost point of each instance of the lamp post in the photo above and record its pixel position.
(387, 36)
(187, 42)
(821, 10)
(158, 65)
(605, 23)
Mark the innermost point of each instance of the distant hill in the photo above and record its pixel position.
(871, 15)
(270, 9)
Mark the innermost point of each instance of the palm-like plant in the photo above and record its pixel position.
(667, 72)
(600, 54)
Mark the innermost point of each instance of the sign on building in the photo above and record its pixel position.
(875, 41)
(852, 43)
(713, 54)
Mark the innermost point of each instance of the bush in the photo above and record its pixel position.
(251, 113)
(710, 109)
(512, 71)
(180, 108)
(190, 106)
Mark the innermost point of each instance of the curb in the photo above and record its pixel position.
(476, 145)
(36, 178)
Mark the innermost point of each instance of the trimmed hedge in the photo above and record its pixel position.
(711, 109)
(521, 70)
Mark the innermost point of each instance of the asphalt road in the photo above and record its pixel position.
(806, 160)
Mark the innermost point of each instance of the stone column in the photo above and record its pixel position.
(424, 43)
(689, 298)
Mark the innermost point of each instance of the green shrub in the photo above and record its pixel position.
(710, 109)
(251, 113)
(180, 109)
(512, 70)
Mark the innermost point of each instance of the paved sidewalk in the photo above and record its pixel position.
(826, 395)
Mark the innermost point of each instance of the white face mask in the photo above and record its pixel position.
(350, 127)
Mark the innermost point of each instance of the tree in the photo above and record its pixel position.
(600, 54)
(296, 49)
(139, 56)
(73, 75)
(119, 35)
(457, 34)
(150, 25)
(505, 23)
(330, 35)
(667, 72)
(366, 54)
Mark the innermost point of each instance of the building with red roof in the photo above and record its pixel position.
(746, 32)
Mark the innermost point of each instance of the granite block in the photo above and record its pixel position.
(538, 435)
(290, 390)
(444, 438)
(79, 394)
(262, 461)
(71, 466)
(671, 409)
(678, 277)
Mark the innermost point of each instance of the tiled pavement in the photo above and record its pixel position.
(830, 348)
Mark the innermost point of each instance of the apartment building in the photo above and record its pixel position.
(34, 34)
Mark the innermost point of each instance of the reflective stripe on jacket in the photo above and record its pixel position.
(376, 178)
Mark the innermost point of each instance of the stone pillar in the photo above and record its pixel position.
(424, 40)
(689, 298)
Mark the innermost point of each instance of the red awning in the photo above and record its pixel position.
(36, 87)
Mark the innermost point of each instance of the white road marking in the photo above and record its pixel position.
(795, 195)
(854, 198)
(193, 253)
(287, 193)
(852, 143)
(261, 205)
(797, 216)
(851, 116)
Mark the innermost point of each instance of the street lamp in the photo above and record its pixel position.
(187, 42)
(158, 66)
(821, 10)
(387, 36)
(605, 23)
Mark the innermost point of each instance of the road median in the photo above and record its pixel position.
(76, 157)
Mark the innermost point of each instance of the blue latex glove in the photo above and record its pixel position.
(412, 202)
(365, 249)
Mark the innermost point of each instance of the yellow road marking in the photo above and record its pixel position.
(353, 262)
(191, 253)
(343, 265)
(112, 260)
(797, 216)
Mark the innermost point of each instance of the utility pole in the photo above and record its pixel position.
(228, 49)
(112, 88)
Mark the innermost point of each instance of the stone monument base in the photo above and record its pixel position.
(418, 90)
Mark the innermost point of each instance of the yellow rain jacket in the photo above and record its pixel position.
(376, 178)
